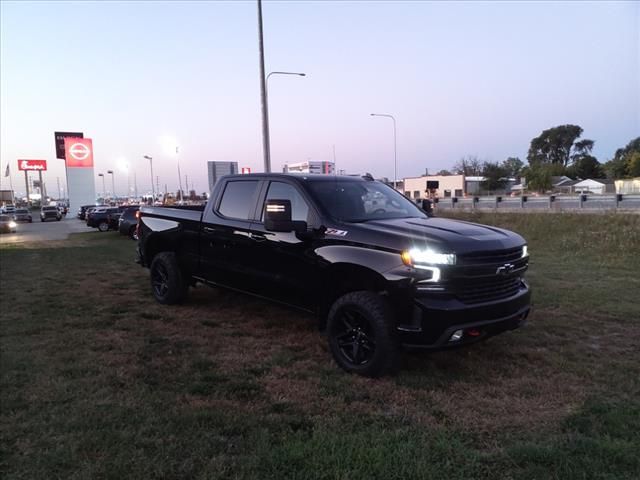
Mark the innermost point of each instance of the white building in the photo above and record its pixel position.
(441, 186)
(597, 186)
(311, 166)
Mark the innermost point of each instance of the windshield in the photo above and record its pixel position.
(47, 209)
(354, 201)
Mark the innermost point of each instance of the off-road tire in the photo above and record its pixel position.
(375, 330)
(168, 283)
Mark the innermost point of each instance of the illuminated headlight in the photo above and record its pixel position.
(416, 257)
(13, 224)
(525, 251)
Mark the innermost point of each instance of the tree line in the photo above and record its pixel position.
(556, 151)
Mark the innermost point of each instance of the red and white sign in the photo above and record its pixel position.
(32, 165)
(78, 152)
(245, 170)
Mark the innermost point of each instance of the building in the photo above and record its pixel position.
(628, 186)
(218, 169)
(597, 186)
(446, 186)
(311, 166)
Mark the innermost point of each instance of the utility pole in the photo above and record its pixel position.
(179, 177)
(26, 186)
(266, 147)
(58, 182)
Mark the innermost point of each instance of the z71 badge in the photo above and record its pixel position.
(333, 231)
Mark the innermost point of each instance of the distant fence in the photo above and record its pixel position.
(541, 203)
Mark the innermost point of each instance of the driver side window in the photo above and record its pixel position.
(284, 191)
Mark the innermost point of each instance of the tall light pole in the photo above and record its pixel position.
(113, 184)
(104, 190)
(153, 192)
(179, 177)
(395, 148)
(266, 96)
(263, 96)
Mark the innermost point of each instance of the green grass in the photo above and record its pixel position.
(99, 381)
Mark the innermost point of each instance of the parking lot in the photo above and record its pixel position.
(45, 231)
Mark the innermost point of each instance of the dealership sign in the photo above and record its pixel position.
(78, 152)
(246, 170)
(60, 136)
(32, 165)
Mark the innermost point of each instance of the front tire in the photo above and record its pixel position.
(362, 335)
(133, 233)
(103, 226)
(168, 284)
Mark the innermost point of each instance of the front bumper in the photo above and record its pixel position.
(434, 320)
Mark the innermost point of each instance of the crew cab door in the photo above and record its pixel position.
(225, 238)
(285, 263)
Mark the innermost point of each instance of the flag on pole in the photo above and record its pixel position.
(6, 172)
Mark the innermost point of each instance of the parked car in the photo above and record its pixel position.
(9, 209)
(22, 215)
(83, 210)
(50, 213)
(378, 277)
(7, 224)
(99, 218)
(128, 221)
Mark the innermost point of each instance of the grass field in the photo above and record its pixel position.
(99, 381)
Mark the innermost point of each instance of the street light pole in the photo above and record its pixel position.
(104, 190)
(263, 96)
(395, 147)
(113, 184)
(153, 192)
(179, 177)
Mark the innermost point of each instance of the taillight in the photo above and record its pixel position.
(138, 214)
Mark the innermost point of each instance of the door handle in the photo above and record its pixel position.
(258, 237)
(209, 230)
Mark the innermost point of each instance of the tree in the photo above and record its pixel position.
(633, 165)
(623, 164)
(586, 166)
(539, 177)
(469, 166)
(513, 166)
(444, 172)
(495, 176)
(558, 145)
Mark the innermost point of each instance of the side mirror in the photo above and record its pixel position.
(427, 207)
(277, 216)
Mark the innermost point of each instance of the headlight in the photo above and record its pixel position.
(416, 257)
(525, 251)
(12, 225)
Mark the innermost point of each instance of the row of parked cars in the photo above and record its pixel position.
(104, 217)
(10, 216)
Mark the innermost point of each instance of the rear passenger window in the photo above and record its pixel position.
(237, 199)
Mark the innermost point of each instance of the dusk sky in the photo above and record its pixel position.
(466, 78)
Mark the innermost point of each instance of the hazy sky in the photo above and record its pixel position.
(465, 78)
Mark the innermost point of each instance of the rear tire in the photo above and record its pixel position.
(168, 283)
(361, 333)
(103, 226)
(133, 233)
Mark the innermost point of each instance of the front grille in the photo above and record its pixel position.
(496, 256)
(488, 289)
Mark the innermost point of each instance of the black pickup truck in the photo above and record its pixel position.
(378, 271)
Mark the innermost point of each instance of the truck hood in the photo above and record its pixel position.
(441, 234)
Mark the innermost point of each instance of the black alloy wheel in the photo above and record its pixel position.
(362, 336)
(168, 283)
(160, 280)
(354, 336)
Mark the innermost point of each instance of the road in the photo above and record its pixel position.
(45, 231)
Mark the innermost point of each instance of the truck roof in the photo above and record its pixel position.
(313, 177)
